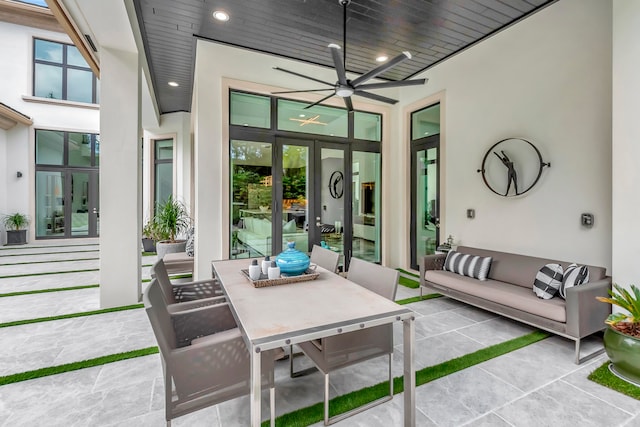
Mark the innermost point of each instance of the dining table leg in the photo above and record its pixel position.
(255, 393)
(408, 339)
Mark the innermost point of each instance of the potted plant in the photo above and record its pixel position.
(171, 219)
(16, 226)
(622, 336)
(151, 234)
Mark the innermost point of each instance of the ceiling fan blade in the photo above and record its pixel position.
(399, 83)
(318, 102)
(337, 62)
(348, 103)
(303, 76)
(301, 91)
(375, 97)
(382, 68)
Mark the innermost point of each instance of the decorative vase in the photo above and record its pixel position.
(624, 353)
(292, 262)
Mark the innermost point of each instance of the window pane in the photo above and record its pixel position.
(250, 110)
(97, 150)
(163, 182)
(251, 193)
(295, 161)
(49, 147)
(79, 198)
(75, 58)
(366, 206)
(425, 122)
(48, 51)
(164, 149)
(49, 205)
(48, 81)
(319, 120)
(79, 85)
(332, 198)
(79, 149)
(367, 126)
(97, 91)
(426, 214)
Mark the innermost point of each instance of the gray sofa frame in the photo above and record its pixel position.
(585, 315)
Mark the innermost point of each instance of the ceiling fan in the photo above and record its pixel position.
(344, 87)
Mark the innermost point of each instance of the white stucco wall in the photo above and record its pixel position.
(548, 80)
(626, 149)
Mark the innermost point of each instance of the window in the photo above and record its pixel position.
(163, 170)
(425, 122)
(320, 120)
(60, 72)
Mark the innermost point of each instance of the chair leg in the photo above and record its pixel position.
(578, 360)
(272, 405)
(326, 399)
(299, 373)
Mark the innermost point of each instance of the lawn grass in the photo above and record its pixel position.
(418, 298)
(70, 315)
(74, 366)
(408, 273)
(42, 291)
(409, 283)
(605, 377)
(313, 414)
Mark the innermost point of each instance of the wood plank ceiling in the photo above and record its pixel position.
(432, 30)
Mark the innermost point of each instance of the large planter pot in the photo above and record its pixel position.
(148, 245)
(16, 237)
(624, 353)
(163, 248)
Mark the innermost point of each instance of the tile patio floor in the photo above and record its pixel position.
(535, 386)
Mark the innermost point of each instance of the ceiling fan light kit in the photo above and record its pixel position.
(345, 88)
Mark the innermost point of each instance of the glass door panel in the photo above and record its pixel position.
(425, 202)
(251, 199)
(94, 204)
(79, 204)
(366, 206)
(295, 194)
(330, 208)
(49, 204)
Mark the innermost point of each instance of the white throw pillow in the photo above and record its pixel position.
(548, 281)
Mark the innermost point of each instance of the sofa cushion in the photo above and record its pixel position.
(548, 281)
(516, 297)
(468, 265)
(574, 275)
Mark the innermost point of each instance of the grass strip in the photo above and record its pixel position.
(605, 377)
(46, 262)
(179, 276)
(70, 315)
(49, 253)
(42, 291)
(409, 283)
(149, 254)
(408, 273)
(418, 298)
(315, 413)
(74, 366)
(47, 273)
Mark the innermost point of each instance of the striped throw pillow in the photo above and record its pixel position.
(468, 265)
(574, 275)
(548, 281)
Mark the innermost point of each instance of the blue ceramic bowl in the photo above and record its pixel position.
(292, 262)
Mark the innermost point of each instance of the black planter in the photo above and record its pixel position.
(149, 245)
(16, 237)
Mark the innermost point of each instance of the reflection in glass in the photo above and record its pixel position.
(97, 149)
(425, 122)
(79, 85)
(48, 51)
(367, 126)
(49, 219)
(79, 203)
(251, 199)
(366, 206)
(163, 182)
(332, 199)
(164, 149)
(426, 195)
(75, 58)
(319, 120)
(295, 161)
(49, 147)
(48, 81)
(79, 149)
(250, 110)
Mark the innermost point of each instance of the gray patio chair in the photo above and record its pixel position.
(185, 292)
(325, 258)
(204, 358)
(332, 353)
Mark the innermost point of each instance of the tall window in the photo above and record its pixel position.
(60, 72)
(163, 170)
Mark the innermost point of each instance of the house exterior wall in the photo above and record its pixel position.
(548, 80)
(16, 89)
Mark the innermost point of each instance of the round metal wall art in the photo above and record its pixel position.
(336, 185)
(512, 166)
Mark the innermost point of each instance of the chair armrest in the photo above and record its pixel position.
(201, 321)
(585, 314)
(189, 305)
(430, 262)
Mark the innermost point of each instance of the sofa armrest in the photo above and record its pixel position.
(430, 262)
(585, 314)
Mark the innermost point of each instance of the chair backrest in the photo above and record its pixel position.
(376, 278)
(159, 271)
(325, 258)
(156, 308)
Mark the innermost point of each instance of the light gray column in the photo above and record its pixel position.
(120, 178)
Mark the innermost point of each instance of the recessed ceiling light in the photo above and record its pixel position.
(301, 115)
(426, 133)
(173, 84)
(382, 58)
(221, 15)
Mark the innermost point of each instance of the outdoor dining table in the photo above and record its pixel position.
(278, 316)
